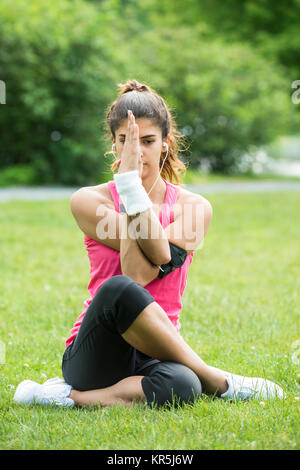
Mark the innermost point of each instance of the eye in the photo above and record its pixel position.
(147, 141)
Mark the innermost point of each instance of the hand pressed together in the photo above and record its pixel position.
(131, 154)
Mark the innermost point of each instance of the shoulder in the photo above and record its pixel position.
(100, 193)
(103, 191)
(186, 197)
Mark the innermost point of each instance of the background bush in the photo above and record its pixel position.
(228, 100)
(54, 59)
(61, 62)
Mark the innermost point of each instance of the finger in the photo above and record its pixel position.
(135, 132)
(128, 137)
(132, 118)
(134, 125)
(131, 125)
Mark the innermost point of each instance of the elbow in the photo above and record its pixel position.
(162, 258)
(163, 255)
(166, 260)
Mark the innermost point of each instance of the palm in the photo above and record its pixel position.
(131, 155)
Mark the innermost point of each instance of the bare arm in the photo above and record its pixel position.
(96, 217)
(133, 261)
(191, 222)
(151, 238)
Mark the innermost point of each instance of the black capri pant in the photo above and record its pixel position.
(99, 356)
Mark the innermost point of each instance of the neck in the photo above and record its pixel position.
(158, 192)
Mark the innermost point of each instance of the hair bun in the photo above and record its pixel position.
(132, 85)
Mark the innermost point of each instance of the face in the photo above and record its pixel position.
(151, 143)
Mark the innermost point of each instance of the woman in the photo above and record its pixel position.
(125, 347)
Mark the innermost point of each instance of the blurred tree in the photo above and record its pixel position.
(228, 100)
(53, 59)
(61, 62)
(272, 27)
(230, 97)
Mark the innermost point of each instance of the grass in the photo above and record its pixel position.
(240, 313)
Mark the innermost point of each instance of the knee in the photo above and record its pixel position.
(104, 302)
(185, 386)
(111, 289)
(172, 384)
(120, 299)
(114, 284)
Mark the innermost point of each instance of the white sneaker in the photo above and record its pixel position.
(53, 392)
(248, 388)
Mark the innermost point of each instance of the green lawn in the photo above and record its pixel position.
(241, 313)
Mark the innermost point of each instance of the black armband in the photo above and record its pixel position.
(178, 256)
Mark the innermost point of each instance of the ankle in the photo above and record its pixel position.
(74, 395)
(224, 387)
(217, 383)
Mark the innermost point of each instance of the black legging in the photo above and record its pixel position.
(99, 356)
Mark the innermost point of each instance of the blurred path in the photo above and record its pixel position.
(244, 187)
(27, 193)
(35, 193)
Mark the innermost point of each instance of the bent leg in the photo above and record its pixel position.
(123, 317)
(164, 384)
(153, 333)
(99, 357)
(126, 392)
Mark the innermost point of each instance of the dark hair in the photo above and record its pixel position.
(146, 103)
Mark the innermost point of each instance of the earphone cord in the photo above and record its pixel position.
(159, 173)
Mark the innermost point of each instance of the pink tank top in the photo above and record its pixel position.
(105, 263)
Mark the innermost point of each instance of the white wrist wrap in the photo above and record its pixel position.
(132, 192)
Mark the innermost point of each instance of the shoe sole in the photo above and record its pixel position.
(22, 396)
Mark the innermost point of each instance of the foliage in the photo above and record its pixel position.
(272, 27)
(61, 62)
(18, 174)
(228, 100)
(53, 59)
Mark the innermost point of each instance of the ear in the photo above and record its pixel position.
(167, 141)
